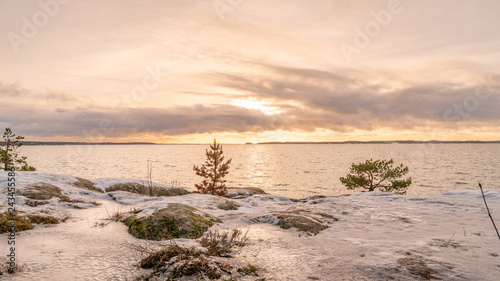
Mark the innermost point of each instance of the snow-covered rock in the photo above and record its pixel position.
(375, 236)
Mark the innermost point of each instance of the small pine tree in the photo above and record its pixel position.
(377, 174)
(214, 171)
(8, 154)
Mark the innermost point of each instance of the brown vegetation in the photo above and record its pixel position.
(222, 244)
(175, 262)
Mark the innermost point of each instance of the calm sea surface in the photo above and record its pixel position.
(292, 170)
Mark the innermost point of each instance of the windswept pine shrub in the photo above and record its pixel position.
(377, 174)
(8, 152)
(213, 171)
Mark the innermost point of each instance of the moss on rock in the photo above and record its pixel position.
(175, 221)
(20, 222)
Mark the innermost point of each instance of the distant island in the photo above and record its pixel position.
(82, 143)
(380, 142)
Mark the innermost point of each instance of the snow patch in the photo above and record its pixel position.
(451, 233)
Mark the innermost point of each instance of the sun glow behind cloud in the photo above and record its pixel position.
(263, 106)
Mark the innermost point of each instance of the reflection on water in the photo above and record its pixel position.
(293, 170)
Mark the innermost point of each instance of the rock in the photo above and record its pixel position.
(301, 223)
(310, 198)
(318, 215)
(132, 187)
(167, 192)
(236, 192)
(305, 221)
(43, 191)
(86, 184)
(175, 221)
(227, 205)
(139, 188)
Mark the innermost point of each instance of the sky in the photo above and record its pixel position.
(189, 71)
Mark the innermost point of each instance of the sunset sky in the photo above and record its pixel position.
(186, 71)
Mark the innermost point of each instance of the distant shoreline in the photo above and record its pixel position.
(85, 143)
(34, 143)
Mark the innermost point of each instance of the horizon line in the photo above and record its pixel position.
(248, 143)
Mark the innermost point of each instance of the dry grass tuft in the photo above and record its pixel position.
(158, 259)
(20, 223)
(223, 244)
(5, 267)
(248, 270)
(416, 266)
(175, 261)
(118, 215)
(34, 203)
(43, 219)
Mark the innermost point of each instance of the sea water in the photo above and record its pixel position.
(291, 170)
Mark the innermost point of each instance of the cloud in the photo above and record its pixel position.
(284, 53)
(308, 100)
(15, 90)
(339, 93)
(111, 123)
